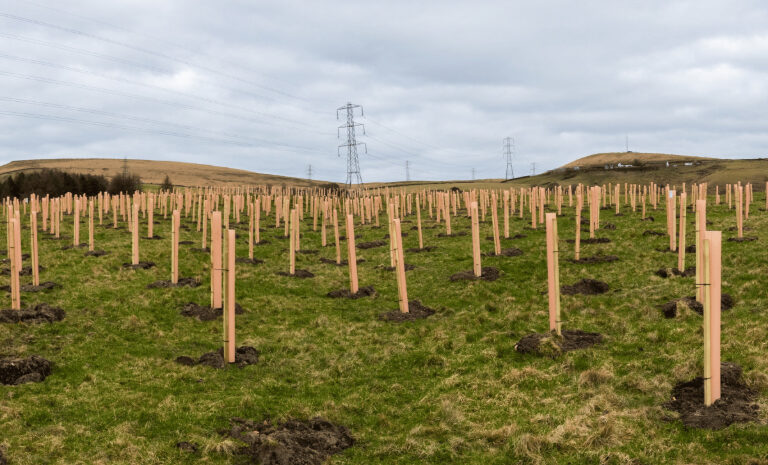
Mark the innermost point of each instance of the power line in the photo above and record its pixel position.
(353, 164)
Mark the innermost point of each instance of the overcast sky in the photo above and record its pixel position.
(255, 84)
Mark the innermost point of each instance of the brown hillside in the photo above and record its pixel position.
(153, 172)
(602, 159)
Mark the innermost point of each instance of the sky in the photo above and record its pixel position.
(256, 85)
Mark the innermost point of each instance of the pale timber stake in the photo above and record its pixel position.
(175, 220)
(228, 310)
(712, 262)
(351, 255)
(400, 268)
(553, 274)
(476, 263)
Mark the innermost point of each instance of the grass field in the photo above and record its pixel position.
(448, 389)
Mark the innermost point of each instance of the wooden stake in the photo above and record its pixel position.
(476, 264)
(495, 221)
(216, 260)
(711, 322)
(351, 255)
(135, 234)
(228, 310)
(553, 274)
(175, 220)
(292, 247)
(90, 226)
(681, 246)
(336, 235)
(400, 268)
(418, 225)
(15, 291)
(35, 255)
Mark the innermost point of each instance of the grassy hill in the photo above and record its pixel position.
(631, 158)
(153, 172)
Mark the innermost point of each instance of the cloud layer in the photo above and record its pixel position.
(255, 85)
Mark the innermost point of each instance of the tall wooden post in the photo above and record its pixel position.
(400, 268)
(216, 260)
(351, 254)
(35, 255)
(671, 224)
(336, 235)
(135, 234)
(418, 225)
(76, 227)
(711, 322)
(495, 221)
(476, 264)
(228, 309)
(553, 274)
(681, 246)
(292, 247)
(175, 220)
(701, 228)
(90, 226)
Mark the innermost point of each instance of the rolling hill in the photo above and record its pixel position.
(630, 158)
(153, 172)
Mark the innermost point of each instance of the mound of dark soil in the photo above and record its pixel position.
(207, 313)
(735, 405)
(416, 311)
(343, 262)
(511, 252)
(33, 369)
(24, 256)
(519, 236)
(742, 239)
(186, 242)
(609, 226)
(155, 237)
(585, 286)
(186, 446)
(40, 313)
(2, 458)
(261, 242)
(428, 248)
(139, 266)
(454, 234)
(249, 261)
(96, 253)
(595, 259)
(293, 442)
(664, 273)
(386, 236)
(669, 309)
(361, 292)
(72, 246)
(488, 273)
(370, 245)
(244, 355)
(44, 286)
(736, 228)
(647, 218)
(593, 240)
(307, 251)
(297, 274)
(553, 345)
(24, 271)
(406, 267)
(648, 232)
(164, 284)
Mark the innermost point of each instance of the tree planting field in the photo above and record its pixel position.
(450, 388)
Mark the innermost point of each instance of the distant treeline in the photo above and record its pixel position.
(55, 182)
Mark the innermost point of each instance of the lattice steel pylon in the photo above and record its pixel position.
(353, 164)
(509, 150)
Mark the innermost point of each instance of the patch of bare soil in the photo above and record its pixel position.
(585, 286)
(24, 271)
(519, 236)
(665, 273)
(591, 240)
(511, 252)
(165, 284)
(406, 267)
(297, 274)
(595, 259)
(44, 286)
(609, 226)
(669, 309)
(294, 442)
(386, 236)
(244, 355)
(33, 369)
(370, 245)
(96, 253)
(72, 246)
(139, 266)
(249, 261)
(202, 313)
(552, 345)
(343, 262)
(428, 248)
(735, 405)
(307, 251)
(154, 237)
(742, 239)
(454, 234)
(416, 311)
(366, 291)
(487, 273)
(191, 447)
(24, 256)
(186, 242)
(40, 313)
(649, 232)
(647, 218)
(743, 228)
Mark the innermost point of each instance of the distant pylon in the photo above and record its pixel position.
(353, 164)
(509, 149)
(473, 174)
(125, 167)
(407, 171)
(533, 169)
(309, 172)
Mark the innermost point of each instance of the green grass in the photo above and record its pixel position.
(449, 389)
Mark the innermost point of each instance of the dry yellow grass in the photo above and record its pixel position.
(153, 172)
